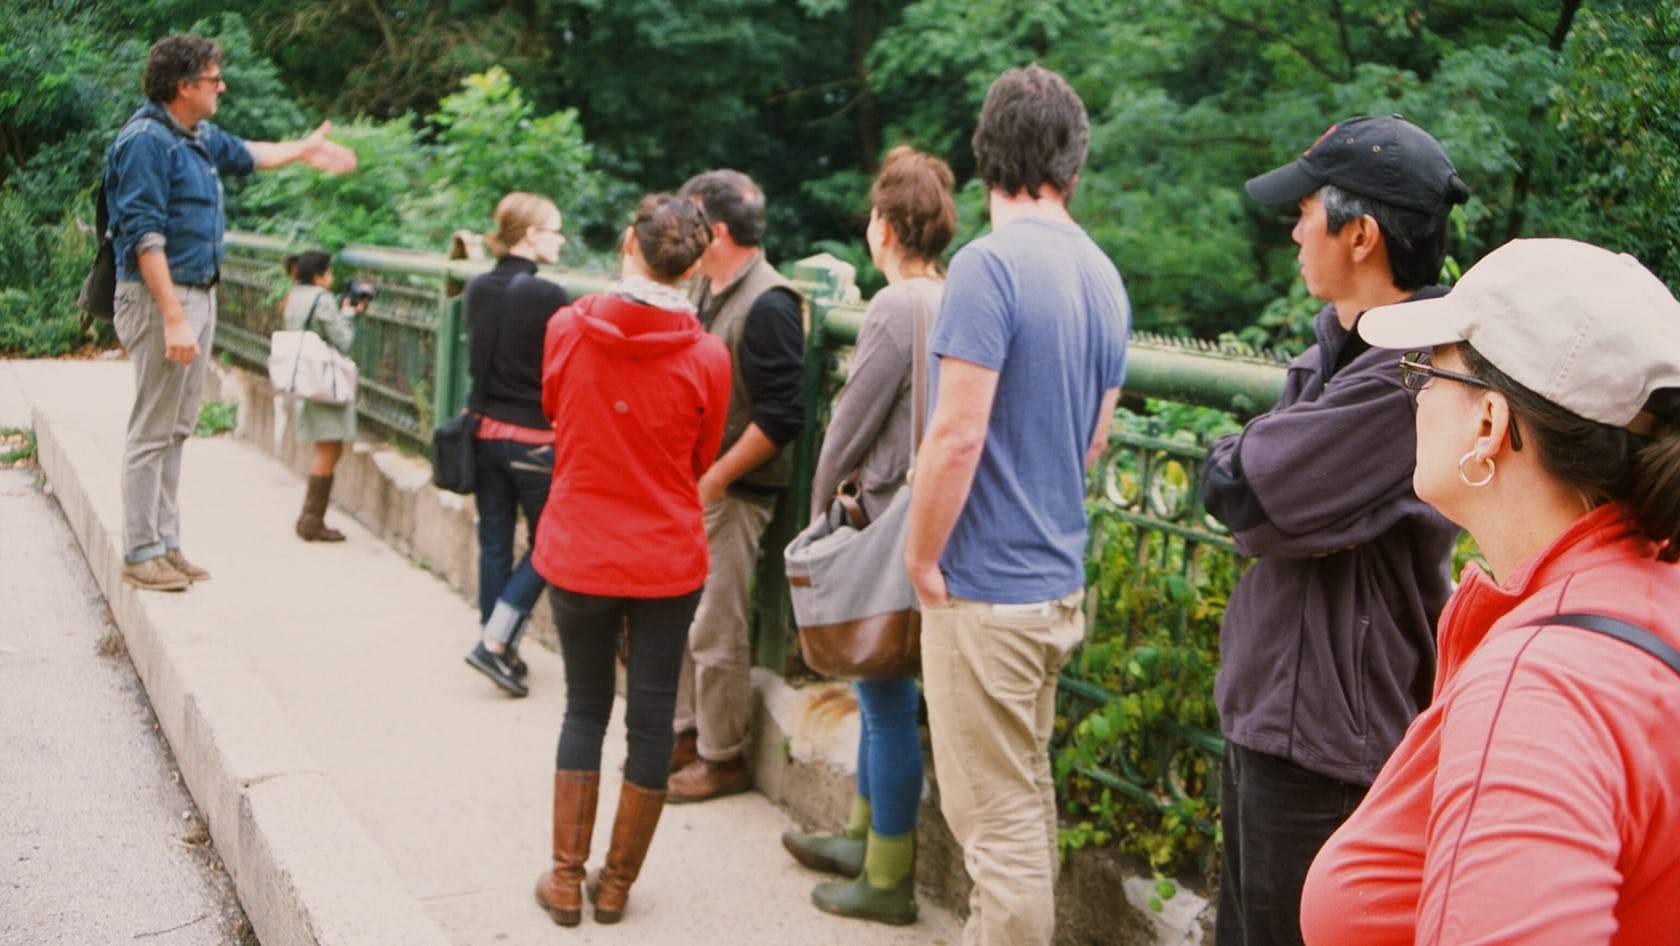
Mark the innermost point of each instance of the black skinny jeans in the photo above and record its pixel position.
(589, 627)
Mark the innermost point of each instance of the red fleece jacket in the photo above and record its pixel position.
(1537, 801)
(637, 397)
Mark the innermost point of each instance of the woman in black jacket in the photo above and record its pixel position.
(507, 311)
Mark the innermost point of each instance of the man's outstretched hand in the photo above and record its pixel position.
(326, 155)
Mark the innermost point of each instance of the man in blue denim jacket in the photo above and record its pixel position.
(163, 186)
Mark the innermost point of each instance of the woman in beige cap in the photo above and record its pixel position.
(1538, 799)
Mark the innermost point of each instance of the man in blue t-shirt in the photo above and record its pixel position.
(1029, 354)
(163, 186)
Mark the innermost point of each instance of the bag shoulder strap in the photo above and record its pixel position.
(1621, 630)
(102, 209)
(310, 317)
(918, 378)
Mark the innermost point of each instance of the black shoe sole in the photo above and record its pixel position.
(511, 686)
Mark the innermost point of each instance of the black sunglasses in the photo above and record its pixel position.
(1416, 373)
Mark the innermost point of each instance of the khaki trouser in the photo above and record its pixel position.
(166, 397)
(714, 692)
(989, 676)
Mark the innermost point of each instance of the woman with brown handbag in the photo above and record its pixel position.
(867, 448)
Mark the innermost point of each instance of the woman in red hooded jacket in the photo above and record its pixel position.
(637, 392)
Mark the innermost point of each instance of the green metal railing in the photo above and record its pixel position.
(409, 346)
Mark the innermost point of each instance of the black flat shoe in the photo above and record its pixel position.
(497, 669)
(518, 667)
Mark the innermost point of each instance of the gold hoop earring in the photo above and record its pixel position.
(1467, 481)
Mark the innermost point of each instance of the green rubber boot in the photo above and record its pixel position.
(886, 890)
(834, 853)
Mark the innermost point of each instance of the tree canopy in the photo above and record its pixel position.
(1562, 115)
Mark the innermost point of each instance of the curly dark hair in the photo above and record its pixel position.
(672, 231)
(1033, 131)
(175, 58)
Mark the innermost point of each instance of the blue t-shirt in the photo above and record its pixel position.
(1040, 304)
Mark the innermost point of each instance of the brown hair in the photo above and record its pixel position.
(173, 58)
(912, 193)
(516, 213)
(672, 231)
(1603, 463)
(1033, 131)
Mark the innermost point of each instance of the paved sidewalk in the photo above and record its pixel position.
(362, 784)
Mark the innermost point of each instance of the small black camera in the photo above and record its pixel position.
(356, 294)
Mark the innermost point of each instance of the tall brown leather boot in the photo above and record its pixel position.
(638, 816)
(560, 889)
(312, 525)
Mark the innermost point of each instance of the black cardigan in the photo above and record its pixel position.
(507, 311)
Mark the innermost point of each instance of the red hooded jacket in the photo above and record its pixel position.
(637, 396)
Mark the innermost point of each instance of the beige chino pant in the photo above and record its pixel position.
(714, 691)
(989, 677)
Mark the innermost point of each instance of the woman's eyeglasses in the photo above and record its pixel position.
(1416, 373)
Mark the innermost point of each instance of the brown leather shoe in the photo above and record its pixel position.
(560, 889)
(703, 779)
(633, 826)
(684, 749)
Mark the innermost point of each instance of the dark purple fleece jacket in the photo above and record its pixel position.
(1328, 647)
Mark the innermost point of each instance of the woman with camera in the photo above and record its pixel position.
(637, 392)
(310, 303)
(867, 451)
(1537, 799)
(507, 310)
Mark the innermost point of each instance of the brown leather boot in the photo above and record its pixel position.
(560, 889)
(312, 524)
(703, 779)
(638, 816)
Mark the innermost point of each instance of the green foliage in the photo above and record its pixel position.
(1138, 769)
(17, 444)
(41, 270)
(216, 417)
(490, 141)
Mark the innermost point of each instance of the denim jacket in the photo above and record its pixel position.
(161, 179)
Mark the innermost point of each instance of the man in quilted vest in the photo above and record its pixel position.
(758, 315)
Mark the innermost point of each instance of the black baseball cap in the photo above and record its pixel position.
(1383, 157)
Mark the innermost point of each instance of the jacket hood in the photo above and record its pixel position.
(628, 329)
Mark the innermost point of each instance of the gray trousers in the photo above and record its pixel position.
(166, 397)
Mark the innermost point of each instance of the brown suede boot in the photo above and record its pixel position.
(312, 525)
(560, 889)
(638, 816)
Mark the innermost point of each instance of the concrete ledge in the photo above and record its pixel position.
(387, 490)
(313, 876)
(305, 870)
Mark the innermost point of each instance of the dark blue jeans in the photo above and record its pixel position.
(889, 760)
(511, 476)
(589, 627)
(1275, 816)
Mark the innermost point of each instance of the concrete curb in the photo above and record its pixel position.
(306, 871)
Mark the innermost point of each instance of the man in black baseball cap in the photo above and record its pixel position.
(1327, 647)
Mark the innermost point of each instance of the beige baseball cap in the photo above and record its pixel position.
(1590, 330)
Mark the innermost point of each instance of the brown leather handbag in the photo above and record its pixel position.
(857, 612)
